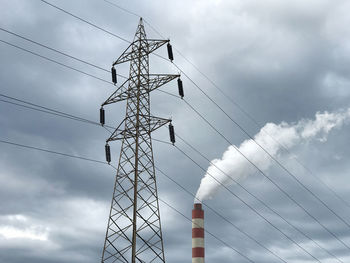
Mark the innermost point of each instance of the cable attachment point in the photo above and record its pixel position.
(102, 116)
(180, 87)
(172, 133)
(108, 153)
(170, 52)
(114, 75)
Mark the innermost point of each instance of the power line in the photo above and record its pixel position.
(94, 25)
(249, 206)
(267, 152)
(251, 137)
(54, 61)
(320, 181)
(52, 112)
(62, 114)
(252, 119)
(36, 109)
(85, 21)
(211, 234)
(53, 49)
(47, 110)
(42, 56)
(106, 31)
(168, 93)
(50, 151)
(92, 160)
(221, 216)
(94, 123)
(125, 10)
(223, 111)
(77, 70)
(267, 177)
(46, 2)
(102, 162)
(59, 52)
(104, 81)
(258, 125)
(110, 83)
(257, 198)
(246, 190)
(134, 14)
(72, 116)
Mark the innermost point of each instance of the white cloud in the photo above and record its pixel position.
(21, 227)
(33, 232)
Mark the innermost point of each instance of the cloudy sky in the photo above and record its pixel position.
(279, 61)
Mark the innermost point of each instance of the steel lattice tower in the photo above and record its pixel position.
(134, 230)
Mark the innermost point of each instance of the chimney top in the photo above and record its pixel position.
(198, 206)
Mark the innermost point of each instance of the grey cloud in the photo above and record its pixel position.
(279, 61)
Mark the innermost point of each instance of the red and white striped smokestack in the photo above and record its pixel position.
(197, 234)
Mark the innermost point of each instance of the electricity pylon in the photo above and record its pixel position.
(134, 231)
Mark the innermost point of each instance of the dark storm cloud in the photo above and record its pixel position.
(279, 61)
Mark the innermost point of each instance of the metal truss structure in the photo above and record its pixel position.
(134, 231)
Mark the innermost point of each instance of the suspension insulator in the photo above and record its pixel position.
(172, 133)
(114, 75)
(181, 89)
(170, 52)
(102, 116)
(108, 153)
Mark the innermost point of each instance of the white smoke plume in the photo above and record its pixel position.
(233, 164)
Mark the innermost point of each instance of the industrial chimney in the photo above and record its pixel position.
(197, 234)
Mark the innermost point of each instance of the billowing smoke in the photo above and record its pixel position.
(233, 164)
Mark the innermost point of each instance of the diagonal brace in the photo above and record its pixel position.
(120, 94)
(158, 80)
(155, 81)
(151, 122)
(127, 55)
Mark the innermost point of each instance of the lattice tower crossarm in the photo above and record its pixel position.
(134, 231)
